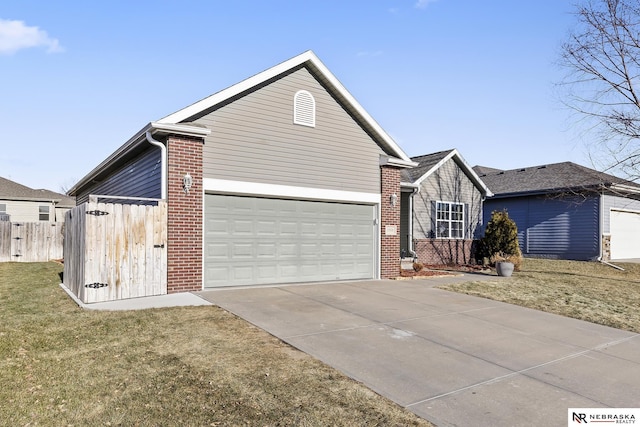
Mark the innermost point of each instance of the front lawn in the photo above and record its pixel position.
(192, 366)
(588, 291)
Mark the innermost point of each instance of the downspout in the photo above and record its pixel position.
(163, 164)
(601, 225)
(411, 251)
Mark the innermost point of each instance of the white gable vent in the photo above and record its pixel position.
(304, 109)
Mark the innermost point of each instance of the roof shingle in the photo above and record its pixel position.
(11, 190)
(546, 178)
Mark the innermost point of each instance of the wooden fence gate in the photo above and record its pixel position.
(115, 251)
(30, 241)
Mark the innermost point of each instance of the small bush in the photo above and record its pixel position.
(516, 260)
(418, 266)
(501, 239)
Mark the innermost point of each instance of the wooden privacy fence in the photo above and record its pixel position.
(115, 251)
(30, 241)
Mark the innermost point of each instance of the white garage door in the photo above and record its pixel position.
(625, 235)
(251, 240)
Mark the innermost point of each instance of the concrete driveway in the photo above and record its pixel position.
(452, 359)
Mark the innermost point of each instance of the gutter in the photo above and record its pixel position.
(163, 163)
(394, 161)
(135, 141)
(411, 251)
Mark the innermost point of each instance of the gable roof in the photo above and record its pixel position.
(11, 190)
(484, 170)
(179, 122)
(309, 60)
(556, 177)
(429, 163)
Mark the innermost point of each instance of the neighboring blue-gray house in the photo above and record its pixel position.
(567, 211)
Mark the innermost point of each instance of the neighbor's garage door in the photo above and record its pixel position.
(252, 240)
(625, 235)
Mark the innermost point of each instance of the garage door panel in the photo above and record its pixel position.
(287, 250)
(218, 251)
(242, 227)
(242, 251)
(625, 234)
(267, 250)
(260, 241)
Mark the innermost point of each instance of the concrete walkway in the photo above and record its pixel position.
(453, 359)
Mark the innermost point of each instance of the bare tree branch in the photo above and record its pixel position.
(602, 60)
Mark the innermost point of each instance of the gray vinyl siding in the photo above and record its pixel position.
(548, 227)
(615, 202)
(138, 178)
(448, 184)
(253, 139)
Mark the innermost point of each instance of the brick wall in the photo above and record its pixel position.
(444, 251)
(389, 218)
(185, 211)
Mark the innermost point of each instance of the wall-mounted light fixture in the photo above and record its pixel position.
(187, 182)
(393, 199)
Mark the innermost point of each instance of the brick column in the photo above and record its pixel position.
(389, 218)
(185, 212)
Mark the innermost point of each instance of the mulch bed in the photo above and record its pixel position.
(425, 273)
(443, 270)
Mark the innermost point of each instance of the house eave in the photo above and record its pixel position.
(30, 199)
(400, 163)
(462, 163)
(546, 191)
(623, 188)
(310, 60)
(134, 142)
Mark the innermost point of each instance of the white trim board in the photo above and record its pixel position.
(222, 186)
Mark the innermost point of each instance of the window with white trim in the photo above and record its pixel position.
(304, 109)
(43, 212)
(449, 220)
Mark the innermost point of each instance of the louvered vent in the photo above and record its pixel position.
(304, 109)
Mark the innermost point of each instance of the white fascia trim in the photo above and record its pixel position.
(435, 167)
(393, 161)
(411, 185)
(395, 148)
(139, 138)
(272, 72)
(625, 188)
(236, 89)
(186, 130)
(223, 186)
(121, 151)
(465, 166)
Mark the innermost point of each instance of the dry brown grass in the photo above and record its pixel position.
(192, 366)
(583, 290)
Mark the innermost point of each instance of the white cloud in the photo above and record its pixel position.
(15, 35)
(421, 4)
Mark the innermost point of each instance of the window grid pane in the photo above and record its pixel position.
(449, 220)
(43, 213)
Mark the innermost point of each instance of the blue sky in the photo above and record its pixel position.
(79, 78)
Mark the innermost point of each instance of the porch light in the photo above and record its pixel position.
(393, 199)
(187, 181)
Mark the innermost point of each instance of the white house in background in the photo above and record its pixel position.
(19, 203)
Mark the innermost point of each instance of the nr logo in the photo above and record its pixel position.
(579, 418)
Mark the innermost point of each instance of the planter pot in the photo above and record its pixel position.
(504, 268)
